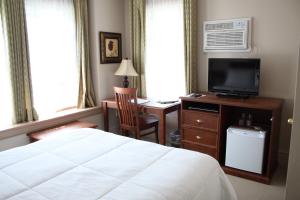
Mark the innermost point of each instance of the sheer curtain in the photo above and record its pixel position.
(52, 48)
(165, 73)
(86, 97)
(6, 105)
(137, 28)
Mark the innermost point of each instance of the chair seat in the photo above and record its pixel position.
(147, 121)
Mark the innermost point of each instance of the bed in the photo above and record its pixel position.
(92, 164)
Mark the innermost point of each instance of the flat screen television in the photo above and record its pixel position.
(234, 76)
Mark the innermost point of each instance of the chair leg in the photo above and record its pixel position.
(137, 134)
(126, 133)
(156, 134)
(122, 132)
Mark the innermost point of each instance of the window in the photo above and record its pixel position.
(52, 51)
(164, 68)
(6, 105)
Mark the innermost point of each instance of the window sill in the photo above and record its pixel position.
(59, 118)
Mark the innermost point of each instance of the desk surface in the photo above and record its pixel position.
(151, 104)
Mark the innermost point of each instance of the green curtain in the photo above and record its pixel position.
(14, 27)
(137, 11)
(190, 44)
(86, 96)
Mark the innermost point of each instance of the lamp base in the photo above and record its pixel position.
(125, 82)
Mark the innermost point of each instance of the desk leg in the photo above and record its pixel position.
(105, 116)
(162, 128)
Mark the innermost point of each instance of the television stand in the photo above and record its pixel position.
(205, 120)
(234, 96)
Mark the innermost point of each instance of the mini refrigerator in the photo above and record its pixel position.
(245, 149)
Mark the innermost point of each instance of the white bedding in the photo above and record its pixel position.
(92, 164)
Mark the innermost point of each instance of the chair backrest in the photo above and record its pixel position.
(126, 99)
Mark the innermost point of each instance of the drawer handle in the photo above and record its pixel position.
(198, 137)
(199, 121)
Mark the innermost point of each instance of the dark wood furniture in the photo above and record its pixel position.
(205, 120)
(160, 110)
(39, 135)
(130, 117)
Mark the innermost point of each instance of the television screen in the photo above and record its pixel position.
(234, 76)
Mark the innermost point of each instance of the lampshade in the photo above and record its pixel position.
(126, 69)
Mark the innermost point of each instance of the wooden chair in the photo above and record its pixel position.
(131, 120)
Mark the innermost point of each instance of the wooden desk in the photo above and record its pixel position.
(161, 110)
(205, 121)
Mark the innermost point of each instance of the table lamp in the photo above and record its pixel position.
(126, 69)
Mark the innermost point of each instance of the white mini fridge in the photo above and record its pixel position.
(245, 149)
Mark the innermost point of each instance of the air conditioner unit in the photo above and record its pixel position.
(227, 35)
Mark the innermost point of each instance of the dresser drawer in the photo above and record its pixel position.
(203, 149)
(199, 136)
(201, 119)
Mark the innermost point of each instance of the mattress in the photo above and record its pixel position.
(91, 164)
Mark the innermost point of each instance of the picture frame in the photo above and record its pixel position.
(110, 47)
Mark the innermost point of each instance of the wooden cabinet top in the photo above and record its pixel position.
(251, 102)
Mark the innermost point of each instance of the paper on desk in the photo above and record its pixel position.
(141, 101)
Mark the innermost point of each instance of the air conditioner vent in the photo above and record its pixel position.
(220, 26)
(227, 35)
(225, 39)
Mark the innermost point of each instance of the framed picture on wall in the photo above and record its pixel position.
(110, 47)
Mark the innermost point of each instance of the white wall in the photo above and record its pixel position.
(108, 16)
(275, 39)
(12, 142)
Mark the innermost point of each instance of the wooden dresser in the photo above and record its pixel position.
(200, 131)
(204, 123)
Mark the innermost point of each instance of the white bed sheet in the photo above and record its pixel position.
(91, 164)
